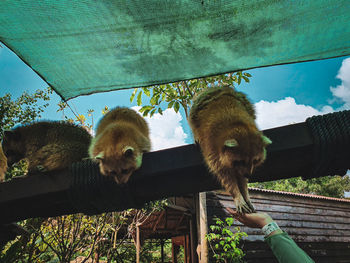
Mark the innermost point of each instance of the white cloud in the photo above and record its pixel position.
(284, 112)
(166, 129)
(287, 111)
(342, 91)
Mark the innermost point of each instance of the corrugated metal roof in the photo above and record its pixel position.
(301, 195)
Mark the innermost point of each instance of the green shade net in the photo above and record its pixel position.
(87, 46)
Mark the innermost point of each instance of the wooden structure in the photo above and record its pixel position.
(320, 146)
(315, 148)
(320, 225)
(174, 222)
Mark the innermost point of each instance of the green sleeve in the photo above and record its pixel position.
(286, 250)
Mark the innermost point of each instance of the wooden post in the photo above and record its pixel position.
(162, 250)
(185, 248)
(174, 250)
(203, 222)
(138, 244)
(193, 240)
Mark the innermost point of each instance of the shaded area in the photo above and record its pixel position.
(95, 46)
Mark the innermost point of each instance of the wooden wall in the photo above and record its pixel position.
(321, 226)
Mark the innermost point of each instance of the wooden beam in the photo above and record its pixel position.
(171, 172)
(193, 240)
(160, 217)
(203, 224)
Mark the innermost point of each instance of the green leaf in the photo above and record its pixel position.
(152, 112)
(229, 221)
(170, 105)
(144, 108)
(139, 101)
(246, 79)
(247, 74)
(160, 111)
(177, 106)
(133, 95)
(147, 92)
(153, 100)
(146, 112)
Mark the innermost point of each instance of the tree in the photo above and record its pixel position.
(25, 109)
(332, 186)
(180, 94)
(63, 238)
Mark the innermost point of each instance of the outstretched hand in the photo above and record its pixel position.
(254, 220)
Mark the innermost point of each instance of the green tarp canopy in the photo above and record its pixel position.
(87, 46)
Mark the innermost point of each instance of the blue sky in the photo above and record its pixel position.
(282, 95)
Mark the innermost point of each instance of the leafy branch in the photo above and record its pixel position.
(224, 243)
(180, 94)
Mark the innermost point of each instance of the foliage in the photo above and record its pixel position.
(332, 186)
(65, 238)
(24, 109)
(80, 119)
(224, 243)
(180, 94)
(26, 248)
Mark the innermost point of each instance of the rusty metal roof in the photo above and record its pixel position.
(301, 195)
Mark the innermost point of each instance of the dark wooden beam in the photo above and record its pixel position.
(171, 172)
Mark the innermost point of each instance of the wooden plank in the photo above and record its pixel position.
(288, 209)
(277, 215)
(171, 172)
(285, 208)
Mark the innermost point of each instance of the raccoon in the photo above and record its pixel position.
(46, 145)
(3, 165)
(223, 124)
(122, 136)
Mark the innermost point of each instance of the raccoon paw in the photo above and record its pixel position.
(243, 207)
(252, 208)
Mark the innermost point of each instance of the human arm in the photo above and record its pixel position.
(282, 246)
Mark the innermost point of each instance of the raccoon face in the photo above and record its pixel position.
(12, 147)
(244, 155)
(121, 165)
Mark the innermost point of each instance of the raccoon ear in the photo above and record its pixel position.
(11, 135)
(100, 156)
(231, 143)
(266, 140)
(128, 151)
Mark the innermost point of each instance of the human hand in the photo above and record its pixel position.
(254, 220)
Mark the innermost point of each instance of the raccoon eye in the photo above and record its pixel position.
(239, 163)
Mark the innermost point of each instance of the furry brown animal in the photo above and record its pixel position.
(223, 123)
(3, 165)
(47, 146)
(122, 137)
